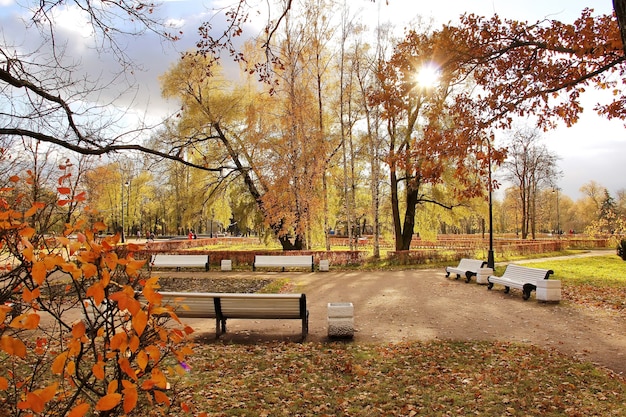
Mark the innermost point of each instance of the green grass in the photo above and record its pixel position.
(407, 379)
(596, 282)
(596, 270)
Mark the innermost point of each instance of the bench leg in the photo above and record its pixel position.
(220, 327)
(528, 288)
(507, 289)
(447, 274)
(468, 276)
(305, 326)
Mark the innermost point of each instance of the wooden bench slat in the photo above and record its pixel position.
(224, 306)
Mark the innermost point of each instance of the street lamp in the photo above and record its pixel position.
(490, 257)
(124, 184)
(212, 218)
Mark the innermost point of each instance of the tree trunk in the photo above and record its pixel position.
(256, 194)
(395, 208)
(409, 218)
(620, 11)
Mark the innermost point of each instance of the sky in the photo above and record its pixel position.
(592, 150)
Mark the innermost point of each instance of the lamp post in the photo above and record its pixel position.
(212, 218)
(490, 256)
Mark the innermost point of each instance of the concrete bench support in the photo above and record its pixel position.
(548, 291)
(482, 277)
(227, 265)
(324, 265)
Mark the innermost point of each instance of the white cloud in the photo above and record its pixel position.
(175, 23)
(73, 20)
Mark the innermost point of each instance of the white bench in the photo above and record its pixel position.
(224, 306)
(521, 278)
(466, 267)
(283, 261)
(178, 261)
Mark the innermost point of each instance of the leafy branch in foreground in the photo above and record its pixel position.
(81, 328)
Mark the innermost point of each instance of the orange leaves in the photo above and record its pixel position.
(126, 300)
(39, 272)
(130, 396)
(4, 310)
(72, 269)
(28, 295)
(111, 260)
(161, 398)
(13, 346)
(58, 365)
(140, 320)
(78, 330)
(117, 344)
(157, 380)
(89, 270)
(80, 410)
(153, 353)
(96, 291)
(36, 400)
(108, 402)
(133, 266)
(99, 227)
(98, 370)
(127, 368)
(142, 360)
(27, 232)
(28, 321)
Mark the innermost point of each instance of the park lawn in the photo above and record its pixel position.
(595, 282)
(599, 271)
(439, 378)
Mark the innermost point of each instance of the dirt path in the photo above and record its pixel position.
(392, 306)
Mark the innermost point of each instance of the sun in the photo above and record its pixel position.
(428, 76)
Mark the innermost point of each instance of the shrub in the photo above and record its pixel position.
(74, 336)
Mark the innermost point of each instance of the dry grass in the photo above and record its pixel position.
(408, 379)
